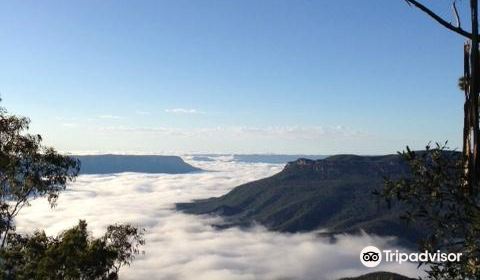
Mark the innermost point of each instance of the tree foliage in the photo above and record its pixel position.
(443, 191)
(29, 169)
(71, 255)
(436, 197)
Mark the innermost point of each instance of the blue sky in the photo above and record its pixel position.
(315, 77)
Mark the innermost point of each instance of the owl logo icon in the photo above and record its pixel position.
(371, 256)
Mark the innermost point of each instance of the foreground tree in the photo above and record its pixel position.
(442, 193)
(71, 255)
(28, 170)
(470, 84)
(434, 198)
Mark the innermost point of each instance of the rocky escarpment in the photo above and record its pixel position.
(333, 194)
(349, 165)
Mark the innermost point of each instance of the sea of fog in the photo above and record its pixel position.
(180, 246)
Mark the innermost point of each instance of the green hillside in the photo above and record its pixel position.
(334, 193)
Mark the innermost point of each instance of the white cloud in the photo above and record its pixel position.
(154, 130)
(234, 139)
(142, 113)
(69, 124)
(300, 132)
(110, 117)
(58, 118)
(277, 132)
(182, 111)
(184, 247)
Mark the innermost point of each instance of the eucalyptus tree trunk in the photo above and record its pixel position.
(467, 119)
(474, 91)
(471, 86)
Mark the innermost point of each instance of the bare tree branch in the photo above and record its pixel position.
(439, 19)
(455, 12)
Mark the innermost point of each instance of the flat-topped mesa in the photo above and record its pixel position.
(348, 165)
(109, 163)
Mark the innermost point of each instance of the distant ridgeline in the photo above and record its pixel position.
(256, 158)
(106, 164)
(333, 194)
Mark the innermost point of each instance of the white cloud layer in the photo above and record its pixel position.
(278, 132)
(143, 113)
(182, 111)
(181, 246)
(110, 117)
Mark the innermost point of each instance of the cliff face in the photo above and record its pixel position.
(339, 166)
(334, 194)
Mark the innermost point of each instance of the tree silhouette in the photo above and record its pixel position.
(28, 170)
(442, 192)
(71, 255)
(470, 84)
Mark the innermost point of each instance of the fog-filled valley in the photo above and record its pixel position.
(240, 140)
(181, 246)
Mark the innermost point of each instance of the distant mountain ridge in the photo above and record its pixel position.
(271, 158)
(106, 164)
(333, 194)
(256, 158)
